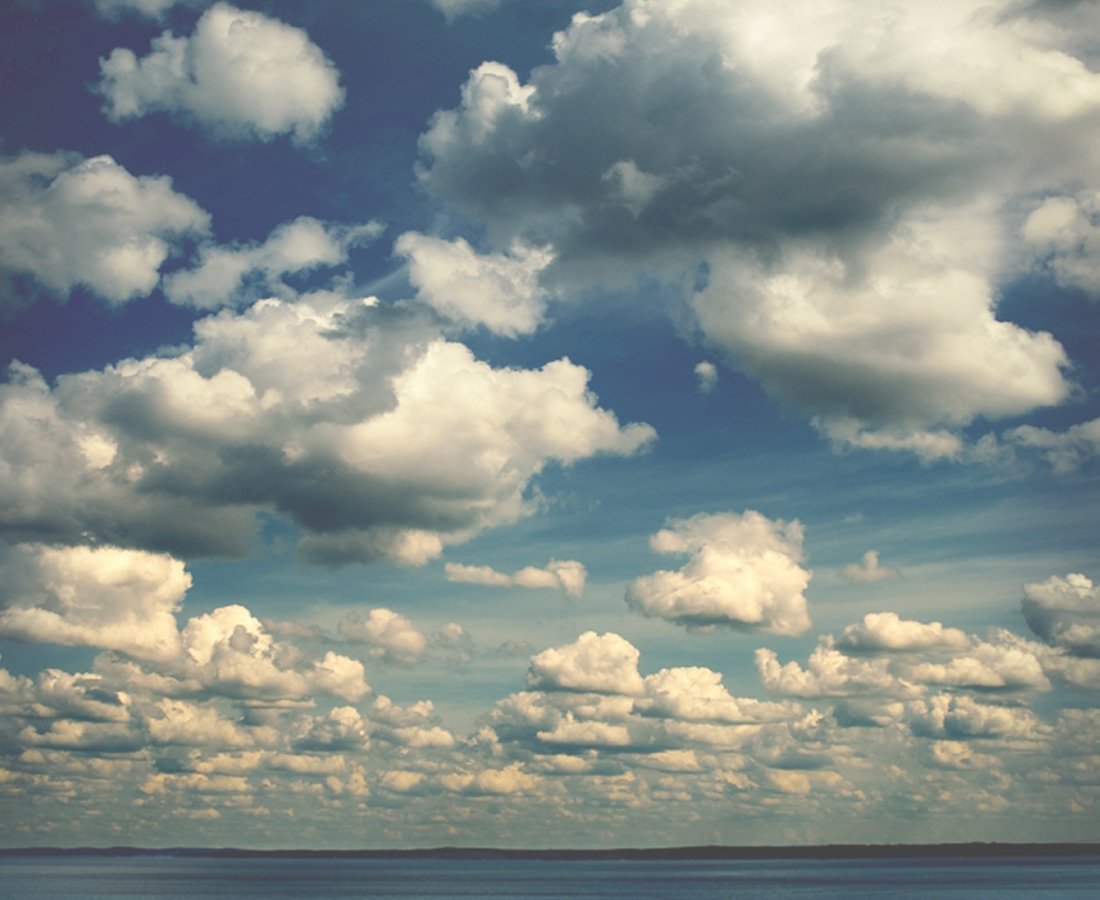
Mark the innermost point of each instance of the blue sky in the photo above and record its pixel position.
(522, 423)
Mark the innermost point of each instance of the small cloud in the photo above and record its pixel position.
(743, 572)
(707, 373)
(391, 636)
(868, 570)
(567, 575)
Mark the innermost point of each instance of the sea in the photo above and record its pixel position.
(77, 876)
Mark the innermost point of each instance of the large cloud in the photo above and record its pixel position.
(70, 221)
(744, 572)
(241, 74)
(375, 437)
(853, 182)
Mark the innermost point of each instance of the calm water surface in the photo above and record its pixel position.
(155, 877)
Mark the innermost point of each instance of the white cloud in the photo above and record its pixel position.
(604, 663)
(232, 275)
(1002, 664)
(88, 222)
(707, 374)
(888, 632)
(241, 74)
(696, 694)
(498, 291)
(830, 673)
(181, 723)
(1065, 612)
(1064, 232)
(867, 570)
(376, 438)
(744, 572)
(566, 575)
(116, 599)
(391, 636)
(959, 717)
(849, 180)
(873, 357)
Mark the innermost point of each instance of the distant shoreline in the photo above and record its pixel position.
(828, 851)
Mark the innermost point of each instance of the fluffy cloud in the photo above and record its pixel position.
(604, 663)
(867, 570)
(229, 652)
(241, 74)
(567, 575)
(696, 694)
(1065, 612)
(372, 435)
(959, 717)
(1064, 232)
(847, 196)
(744, 572)
(106, 597)
(888, 632)
(391, 636)
(231, 275)
(88, 222)
(498, 291)
(830, 673)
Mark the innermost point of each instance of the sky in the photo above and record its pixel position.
(540, 423)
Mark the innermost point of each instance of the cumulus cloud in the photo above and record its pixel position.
(888, 632)
(960, 717)
(499, 291)
(1064, 233)
(240, 74)
(116, 599)
(73, 222)
(604, 663)
(1065, 612)
(830, 673)
(391, 636)
(744, 573)
(852, 203)
(867, 570)
(697, 694)
(375, 437)
(566, 575)
(233, 275)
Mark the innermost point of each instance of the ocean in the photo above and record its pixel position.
(77, 876)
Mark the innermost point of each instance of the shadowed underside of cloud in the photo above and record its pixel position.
(854, 207)
(373, 435)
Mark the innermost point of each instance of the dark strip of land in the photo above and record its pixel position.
(827, 851)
